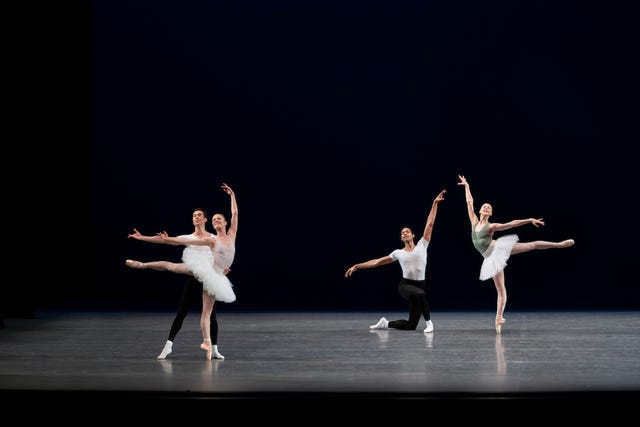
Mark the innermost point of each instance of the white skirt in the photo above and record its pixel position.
(496, 256)
(214, 282)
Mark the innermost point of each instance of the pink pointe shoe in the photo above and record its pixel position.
(206, 346)
(499, 322)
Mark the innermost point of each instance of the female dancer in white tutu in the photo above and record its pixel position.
(207, 257)
(496, 252)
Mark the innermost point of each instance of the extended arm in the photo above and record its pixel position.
(151, 239)
(467, 193)
(233, 227)
(428, 228)
(369, 264)
(496, 226)
(177, 241)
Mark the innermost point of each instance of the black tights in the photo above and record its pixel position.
(415, 292)
(191, 291)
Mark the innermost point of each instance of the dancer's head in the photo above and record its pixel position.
(486, 210)
(219, 222)
(406, 235)
(199, 216)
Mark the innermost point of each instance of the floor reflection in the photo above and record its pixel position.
(383, 336)
(428, 339)
(500, 360)
(167, 366)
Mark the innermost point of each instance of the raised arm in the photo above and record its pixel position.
(369, 264)
(233, 227)
(428, 228)
(467, 193)
(496, 226)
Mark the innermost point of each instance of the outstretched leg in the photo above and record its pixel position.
(519, 248)
(501, 289)
(179, 268)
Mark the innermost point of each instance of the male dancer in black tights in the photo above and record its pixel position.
(412, 287)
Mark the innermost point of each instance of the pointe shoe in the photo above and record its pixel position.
(135, 264)
(207, 348)
(566, 243)
(499, 322)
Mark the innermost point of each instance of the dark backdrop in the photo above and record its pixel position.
(337, 123)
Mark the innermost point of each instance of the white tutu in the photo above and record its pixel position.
(496, 256)
(214, 282)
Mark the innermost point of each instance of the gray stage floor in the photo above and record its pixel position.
(324, 353)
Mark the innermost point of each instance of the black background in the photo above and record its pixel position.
(337, 123)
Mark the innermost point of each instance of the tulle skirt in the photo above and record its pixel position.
(214, 282)
(496, 256)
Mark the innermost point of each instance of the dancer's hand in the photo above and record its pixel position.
(351, 271)
(227, 189)
(440, 196)
(135, 235)
(537, 222)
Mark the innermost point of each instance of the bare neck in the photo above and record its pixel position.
(200, 231)
(409, 245)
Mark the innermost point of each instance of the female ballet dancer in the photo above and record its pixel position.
(496, 252)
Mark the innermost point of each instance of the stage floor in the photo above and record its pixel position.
(294, 354)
